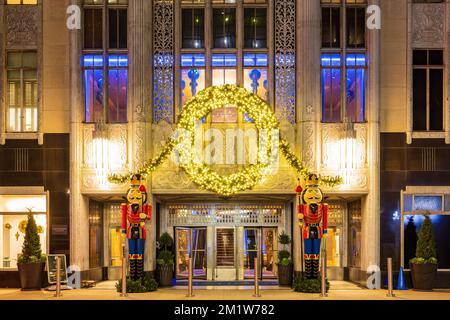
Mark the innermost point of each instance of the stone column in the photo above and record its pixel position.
(79, 204)
(308, 80)
(308, 94)
(139, 44)
(370, 226)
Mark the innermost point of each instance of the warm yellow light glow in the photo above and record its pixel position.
(200, 173)
(22, 203)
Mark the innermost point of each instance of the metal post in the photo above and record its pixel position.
(124, 278)
(58, 277)
(390, 279)
(190, 276)
(256, 293)
(323, 290)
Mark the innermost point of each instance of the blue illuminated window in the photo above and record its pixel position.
(92, 61)
(331, 87)
(354, 87)
(193, 76)
(224, 60)
(256, 76)
(193, 60)
(255, 60)
(408, 203)
(427, 203)
(117, 70)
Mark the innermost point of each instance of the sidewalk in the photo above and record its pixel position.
(339, 291)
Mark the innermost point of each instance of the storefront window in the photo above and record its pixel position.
(13, 221)
(414, 208)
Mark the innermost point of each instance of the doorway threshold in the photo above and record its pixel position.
(227, 283)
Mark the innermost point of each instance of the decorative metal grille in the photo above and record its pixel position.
(236, 215)
(163, 60)
(285, 59)
(336, 214)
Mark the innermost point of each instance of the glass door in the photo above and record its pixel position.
(260, 243)
(190, 242)
(251, 251)
(269, 253)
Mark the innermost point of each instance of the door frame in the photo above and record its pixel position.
(260, 230)
(190, 229)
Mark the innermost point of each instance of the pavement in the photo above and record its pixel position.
(339, 291)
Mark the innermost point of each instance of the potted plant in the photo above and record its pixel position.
(424, 265)
(284, 261)
(165, 261)
(31, 262)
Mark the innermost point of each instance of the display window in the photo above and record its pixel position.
(13, 222)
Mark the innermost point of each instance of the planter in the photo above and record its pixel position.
(423, 276)
(285, 275)
(31, 275)
(165, 275)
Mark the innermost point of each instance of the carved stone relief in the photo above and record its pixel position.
(100, 157)
(428, 25)
(344, 156)
(23, 26)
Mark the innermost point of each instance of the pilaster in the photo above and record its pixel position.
(308, 80)
(370, 227)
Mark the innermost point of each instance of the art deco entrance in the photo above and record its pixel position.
(224, 241)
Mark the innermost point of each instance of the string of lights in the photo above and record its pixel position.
(200, 173)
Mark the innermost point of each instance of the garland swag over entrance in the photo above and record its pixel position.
(200, 173)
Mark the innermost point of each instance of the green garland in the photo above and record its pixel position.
(201, 174)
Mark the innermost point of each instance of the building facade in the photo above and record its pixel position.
(293, 54)
(343, 95)
(34, 129)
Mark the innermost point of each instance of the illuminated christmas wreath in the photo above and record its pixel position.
(200, 173)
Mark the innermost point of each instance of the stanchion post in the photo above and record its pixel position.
(123, 293)
(256, 293)
(323, 290)
(390, 279)
(190, 276)
(58, 277)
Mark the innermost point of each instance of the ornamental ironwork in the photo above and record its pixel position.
(285, 59)
(163, 60)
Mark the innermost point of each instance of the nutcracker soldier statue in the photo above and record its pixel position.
(312, 217)
(134, 215)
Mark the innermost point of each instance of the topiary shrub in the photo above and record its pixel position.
(283, 254)
(426, 245)
(31, 248)
(165, 241)
(147, 284)
(309, 285)
(165, 258)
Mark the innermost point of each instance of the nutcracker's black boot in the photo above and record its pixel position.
(133, 268)
(316, 269)
(140, 268)
(308, 268)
